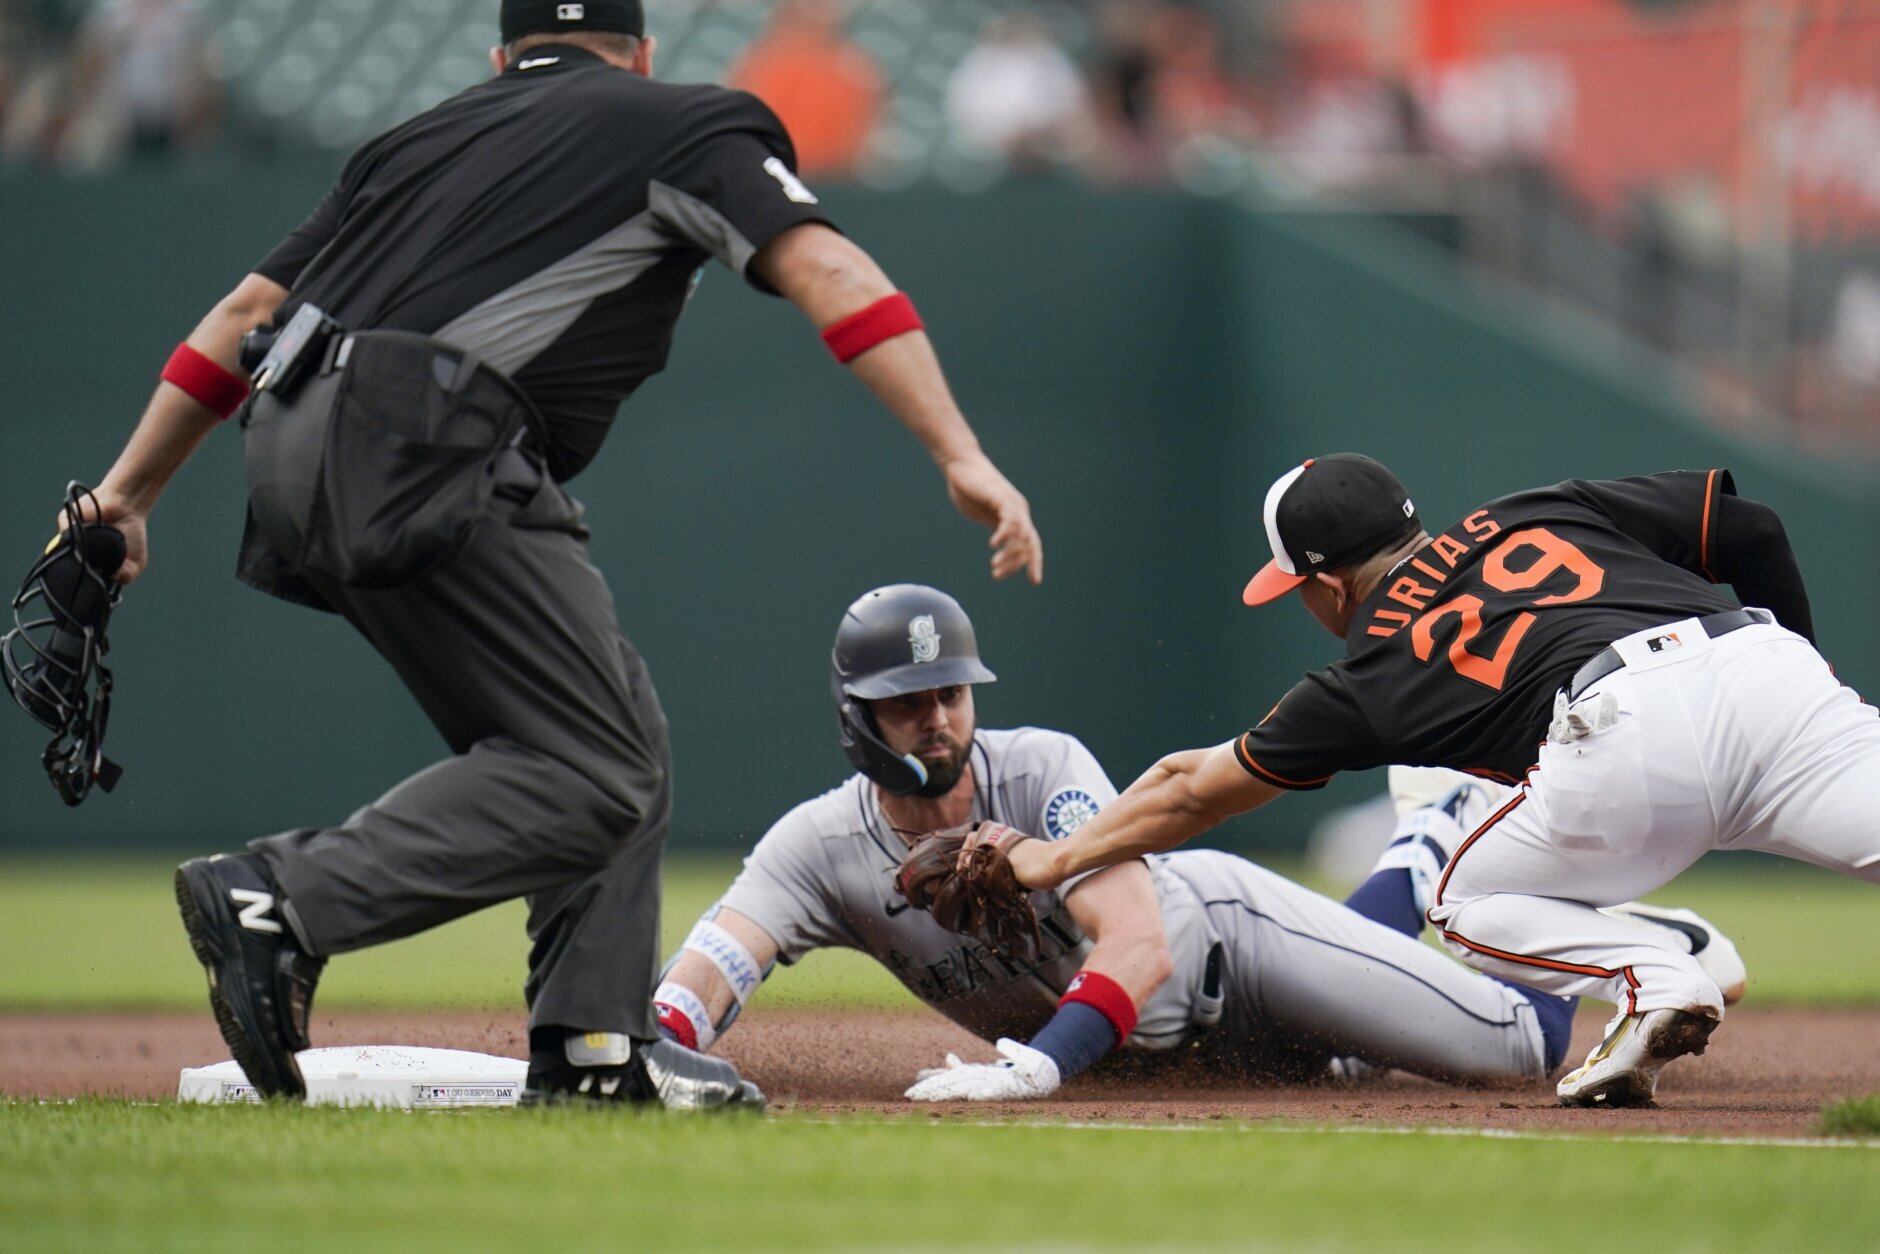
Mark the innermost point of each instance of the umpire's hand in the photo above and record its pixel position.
(106, 505)
(984, 495)
(830, 279)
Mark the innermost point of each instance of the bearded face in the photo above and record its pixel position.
(943, 773)
(935, 726)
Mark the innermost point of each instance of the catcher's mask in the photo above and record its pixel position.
(903, 638)
(52, 660)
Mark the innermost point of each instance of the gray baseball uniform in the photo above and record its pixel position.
(1267, 974)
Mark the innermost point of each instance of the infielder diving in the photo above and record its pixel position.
(1571, 641)
(1197, 949)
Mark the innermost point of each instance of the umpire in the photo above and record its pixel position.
(447, 339)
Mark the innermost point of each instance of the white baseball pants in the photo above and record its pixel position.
(1742, 742)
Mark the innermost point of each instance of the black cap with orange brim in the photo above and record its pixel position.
(1325, 514)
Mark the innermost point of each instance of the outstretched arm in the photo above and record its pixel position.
(829, 278)
(175, 423)
(694, 996)
(1176, 800)
(1117, 909)
(1128, 960)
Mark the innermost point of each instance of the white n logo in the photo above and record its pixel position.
(254, 906)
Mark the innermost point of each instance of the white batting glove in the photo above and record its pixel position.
(928, 1073)
(1022, 1073)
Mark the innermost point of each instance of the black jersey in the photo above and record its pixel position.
(551, 220)
(1454, 659)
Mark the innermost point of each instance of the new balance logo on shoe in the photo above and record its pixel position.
(255, 906)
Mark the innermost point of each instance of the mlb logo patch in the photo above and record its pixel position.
(1659, 644)
(570, 12)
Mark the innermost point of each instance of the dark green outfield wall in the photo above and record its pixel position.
(1142, 365)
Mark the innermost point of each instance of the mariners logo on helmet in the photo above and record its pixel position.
(1068, 810)
(926, 641)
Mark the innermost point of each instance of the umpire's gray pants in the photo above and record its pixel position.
(560, 784)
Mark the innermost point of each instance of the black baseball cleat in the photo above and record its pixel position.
(260, 981)
(607, 1068)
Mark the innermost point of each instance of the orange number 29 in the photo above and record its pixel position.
(1551, 554)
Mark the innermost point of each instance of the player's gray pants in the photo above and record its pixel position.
(1305, 978)
(560, 787)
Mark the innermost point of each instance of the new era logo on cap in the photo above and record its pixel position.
(571, 12)
(1326, 514)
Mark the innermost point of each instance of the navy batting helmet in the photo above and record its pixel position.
(903, 638)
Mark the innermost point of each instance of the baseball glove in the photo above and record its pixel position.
(976, 894)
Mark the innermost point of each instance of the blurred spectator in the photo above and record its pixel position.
(1190, 88)
(826, 90)
(1649, 271)
(1122, 85)
(1121, 72)
(1350, 131)
(1854, 336)
(14, 43)
(142, 83)
(1160, 81)
(1017, 94)
(35, 78)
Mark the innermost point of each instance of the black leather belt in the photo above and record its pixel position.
(1607, 660)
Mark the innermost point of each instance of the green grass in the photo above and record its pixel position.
(101, 1176)
(103, 933)
(1857, 1116)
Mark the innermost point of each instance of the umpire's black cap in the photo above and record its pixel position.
(1326, 514)
(544, 17)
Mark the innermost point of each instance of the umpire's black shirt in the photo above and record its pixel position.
(552, 220)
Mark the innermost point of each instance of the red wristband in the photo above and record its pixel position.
(205, 381)
(1107, 998)
(674, 1020)
(860, 331)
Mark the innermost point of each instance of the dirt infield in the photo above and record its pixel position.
(1766, 1074)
